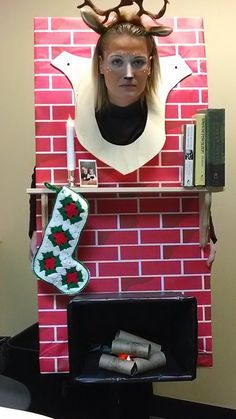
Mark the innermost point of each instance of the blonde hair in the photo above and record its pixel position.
(124, 28)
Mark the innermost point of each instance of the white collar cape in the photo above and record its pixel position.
(128, 158)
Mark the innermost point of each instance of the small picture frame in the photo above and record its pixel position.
(88, 173)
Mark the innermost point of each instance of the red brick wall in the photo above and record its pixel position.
(131, 242)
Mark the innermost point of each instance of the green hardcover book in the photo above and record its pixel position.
(200, 155)
(215, 147)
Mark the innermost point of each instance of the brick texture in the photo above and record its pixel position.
(130, 243)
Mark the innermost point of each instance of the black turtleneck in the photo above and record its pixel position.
(122, 125)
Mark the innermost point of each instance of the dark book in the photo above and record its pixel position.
(215, 147)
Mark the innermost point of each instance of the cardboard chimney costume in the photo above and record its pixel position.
(131, 242)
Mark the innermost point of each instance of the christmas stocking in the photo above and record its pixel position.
(53, 261)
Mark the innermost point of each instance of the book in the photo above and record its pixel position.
(215, 147)
(200, 155)
(188, 150)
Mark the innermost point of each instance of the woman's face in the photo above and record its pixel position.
(125, 65)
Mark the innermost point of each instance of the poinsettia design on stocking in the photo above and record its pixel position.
(53, 261)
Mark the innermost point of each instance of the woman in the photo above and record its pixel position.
(126, 71)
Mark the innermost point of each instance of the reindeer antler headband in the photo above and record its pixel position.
(98, 26)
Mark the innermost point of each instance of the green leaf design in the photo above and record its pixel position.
(49, 263)
(72, 278)
(71, 210)
(60, 238)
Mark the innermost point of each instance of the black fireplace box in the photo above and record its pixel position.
(169, 319)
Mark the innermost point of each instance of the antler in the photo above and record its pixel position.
(106, 13)
(142, 11)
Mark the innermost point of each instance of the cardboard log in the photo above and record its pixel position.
(121, 334)
(120, 346)
(156, 360)
(112, 363)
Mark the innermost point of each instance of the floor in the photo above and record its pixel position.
(53, 395)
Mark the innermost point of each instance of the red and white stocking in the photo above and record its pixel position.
(53, 261)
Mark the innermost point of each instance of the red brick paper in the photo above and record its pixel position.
(135, 242)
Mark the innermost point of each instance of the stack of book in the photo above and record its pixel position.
(204, 149)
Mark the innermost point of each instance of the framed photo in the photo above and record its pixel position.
(88, 173)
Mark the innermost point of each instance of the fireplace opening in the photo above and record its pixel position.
(168, 319)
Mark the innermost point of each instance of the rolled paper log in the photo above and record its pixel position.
(112, 363)
(139, 349)
(156, 360)
(121, 334)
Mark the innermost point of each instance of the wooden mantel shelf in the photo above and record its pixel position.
(124, 189)
(204, 200)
